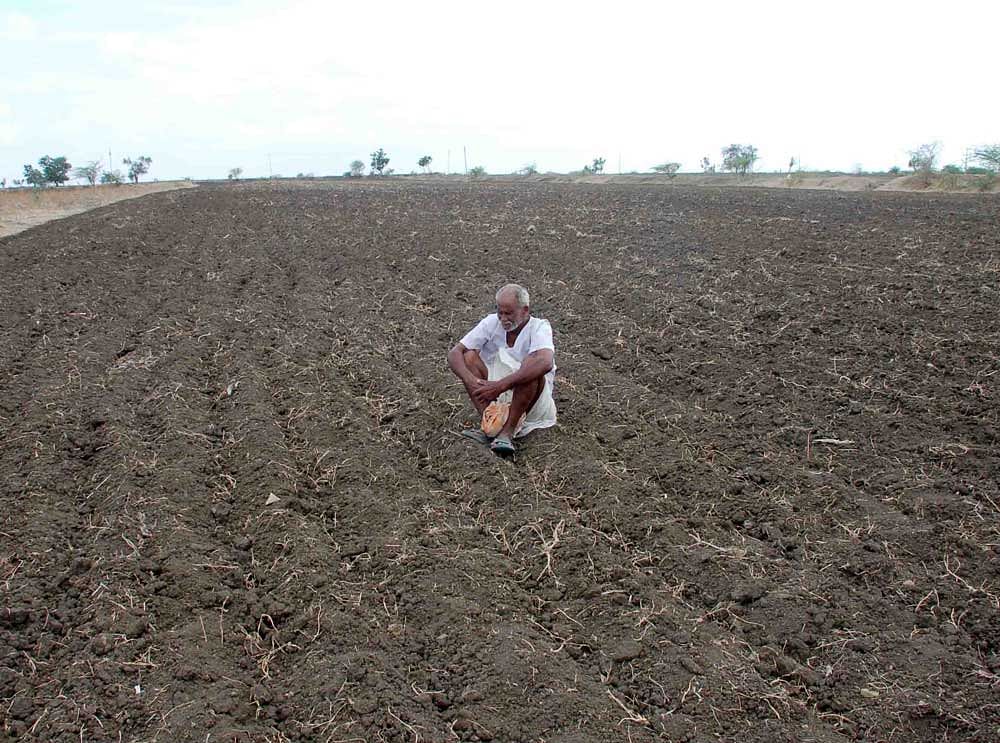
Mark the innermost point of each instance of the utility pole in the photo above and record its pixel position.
(465, 158)
(110, 166)
(270, 172)
(448, 170)
(619, 163)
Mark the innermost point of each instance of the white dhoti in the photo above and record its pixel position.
(543, 414)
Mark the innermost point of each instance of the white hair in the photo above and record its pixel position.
(520, 294)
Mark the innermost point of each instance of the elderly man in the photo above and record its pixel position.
(508, 360)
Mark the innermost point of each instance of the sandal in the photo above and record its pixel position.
(476, 435)
(503, 446)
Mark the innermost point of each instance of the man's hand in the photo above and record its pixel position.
(486, 392)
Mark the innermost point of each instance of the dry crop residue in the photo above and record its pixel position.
(235, 507)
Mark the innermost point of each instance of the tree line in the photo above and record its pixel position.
(739, 159)
(55, 171)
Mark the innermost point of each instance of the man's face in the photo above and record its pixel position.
(510, 314)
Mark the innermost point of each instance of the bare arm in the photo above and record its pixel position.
(456, 363)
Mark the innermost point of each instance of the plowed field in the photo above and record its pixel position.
(770, 511)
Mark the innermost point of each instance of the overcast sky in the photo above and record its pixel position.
(203, 86)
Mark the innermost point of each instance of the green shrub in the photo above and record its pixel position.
(379, 161)
(739, 158)
(137, 167)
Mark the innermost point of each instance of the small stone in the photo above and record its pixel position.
(748, 593)
(869, 693)
(353, 549)
(137, 627)
(271, 499)
(364, 705)
(185, 673)
(262, 694)
(627, 650)
(691, 667)
(101, 645)
(21, 708)
(221, 511)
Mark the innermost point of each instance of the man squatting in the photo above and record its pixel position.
(508, 358)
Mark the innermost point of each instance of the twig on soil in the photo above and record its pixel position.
(408, 726)
(994, 599)
(693, 689)
(548, 545)
(630, 714)
(738, 553)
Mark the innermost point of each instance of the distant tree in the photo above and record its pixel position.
(923, 159)
(357, 169)
(89, 172)
(739, 158)
(34, 177)
(55, 169)
(425, 163)
(112, 177)
(529, 169)
(379, 161)
(3, 183)
(234, 174)
(952, 169)
(791, 164)
(706, 165)
(667, 169)
(894, 170)
(477, 172)
(988, 156)
(137, 167)
(598, 166)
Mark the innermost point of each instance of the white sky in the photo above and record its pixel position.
(204, 86)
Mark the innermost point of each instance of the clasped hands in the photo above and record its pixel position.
(486, 392)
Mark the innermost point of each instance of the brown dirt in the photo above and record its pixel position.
(938, 182)
(21, 208)
(769, 513)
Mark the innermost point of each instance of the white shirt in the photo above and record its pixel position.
(488, 337)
